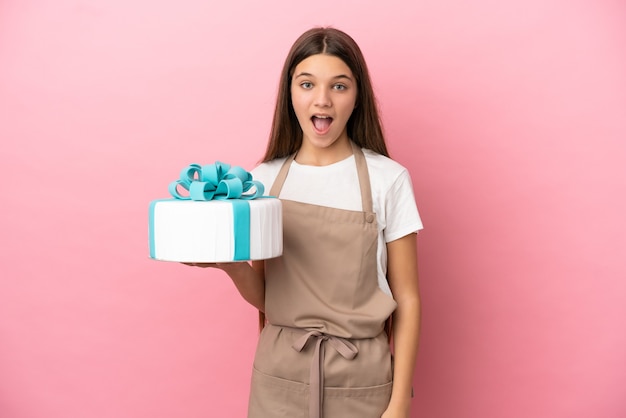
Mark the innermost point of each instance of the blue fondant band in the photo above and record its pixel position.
(241, 227)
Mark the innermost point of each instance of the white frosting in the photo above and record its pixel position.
(202, 231)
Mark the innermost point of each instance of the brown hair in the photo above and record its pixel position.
(364, 126)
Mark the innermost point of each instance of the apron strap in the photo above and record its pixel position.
(282, 175)
(361, 169)
(364, 178)
(316, 384)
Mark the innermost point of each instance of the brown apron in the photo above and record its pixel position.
(324, 352)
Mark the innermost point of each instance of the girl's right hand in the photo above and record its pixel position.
(227, 267)
(203, 265)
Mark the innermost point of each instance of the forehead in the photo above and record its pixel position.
(322, 66)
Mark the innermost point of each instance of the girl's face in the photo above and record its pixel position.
(323, 96)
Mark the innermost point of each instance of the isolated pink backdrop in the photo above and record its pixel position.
(511, 117)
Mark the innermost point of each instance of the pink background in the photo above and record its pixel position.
(510, 115)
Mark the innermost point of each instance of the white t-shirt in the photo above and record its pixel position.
(337, 185)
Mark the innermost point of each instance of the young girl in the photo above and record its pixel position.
(349, 262)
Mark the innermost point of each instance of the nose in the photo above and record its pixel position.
(322, 98)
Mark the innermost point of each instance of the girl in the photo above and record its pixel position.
(349, 263)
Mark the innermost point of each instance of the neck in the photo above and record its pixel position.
(311, 155)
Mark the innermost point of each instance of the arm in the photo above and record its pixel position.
(403, 280)
(249, 279)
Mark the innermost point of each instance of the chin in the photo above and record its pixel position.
(323, 142)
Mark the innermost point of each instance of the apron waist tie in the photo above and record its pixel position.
(316, 385)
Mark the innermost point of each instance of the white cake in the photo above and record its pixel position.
(204, 231)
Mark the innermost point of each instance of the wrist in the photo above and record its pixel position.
(399, 406)
(401, 400)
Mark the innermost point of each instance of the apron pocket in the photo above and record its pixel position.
(362, 402)
(273, 397)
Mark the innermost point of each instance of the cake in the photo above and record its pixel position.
(224, 218)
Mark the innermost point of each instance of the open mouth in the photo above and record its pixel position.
(321, 123)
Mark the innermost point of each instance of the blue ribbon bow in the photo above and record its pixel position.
(220, 181)
(217, 181)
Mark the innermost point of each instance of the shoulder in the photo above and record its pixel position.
(268, 167)
(394, 198)
(377, 161)
(383, 170)
(266, 172)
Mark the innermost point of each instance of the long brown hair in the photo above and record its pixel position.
(364, 126)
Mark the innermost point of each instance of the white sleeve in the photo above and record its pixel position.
(402, 216)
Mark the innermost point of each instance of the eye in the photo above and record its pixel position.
(306, 85)
(340, 87)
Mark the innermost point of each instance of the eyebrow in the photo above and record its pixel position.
(340, 76)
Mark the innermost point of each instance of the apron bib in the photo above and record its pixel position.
(324, 352)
